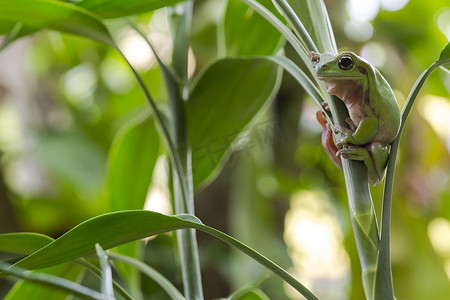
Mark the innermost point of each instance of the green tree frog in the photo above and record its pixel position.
(374, 114)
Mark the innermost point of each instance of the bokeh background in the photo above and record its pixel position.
(64, 99)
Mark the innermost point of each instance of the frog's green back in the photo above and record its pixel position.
(384, 105)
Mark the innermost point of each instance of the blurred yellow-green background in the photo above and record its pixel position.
(63, 100)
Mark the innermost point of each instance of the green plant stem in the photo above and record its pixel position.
(183, 191)
(362, 212)
(183, 198)
(384, 288)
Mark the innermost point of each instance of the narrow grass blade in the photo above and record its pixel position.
(296, 24)
(163, 282)
(98, 273)
(52, 281)
(106, 274)
(304, 80)
(301, 50)
(314, 16)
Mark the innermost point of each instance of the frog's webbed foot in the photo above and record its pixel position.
(346, 135)
(374, 156)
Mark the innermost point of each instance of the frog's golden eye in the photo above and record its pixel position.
(346, 62)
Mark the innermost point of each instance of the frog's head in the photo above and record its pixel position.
(344, 66)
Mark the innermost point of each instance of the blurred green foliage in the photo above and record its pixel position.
(67, 101)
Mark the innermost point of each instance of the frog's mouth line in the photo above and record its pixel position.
(327, 78)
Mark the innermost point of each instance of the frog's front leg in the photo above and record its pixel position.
(363, 133)
(374, 155)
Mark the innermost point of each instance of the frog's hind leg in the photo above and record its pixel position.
(374, 156)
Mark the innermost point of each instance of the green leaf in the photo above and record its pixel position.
(314, 17)
(445, 53)
(117, 228)
(23, 242)
(444, 58)
(120, 8)
(260, 38)
(225, 99)
(134, 151)
(56, 15)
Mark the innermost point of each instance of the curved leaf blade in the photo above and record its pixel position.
(117, 228)
(445, 53)
(108, 230)
(225, 99)
(23, 242)
(56, 15)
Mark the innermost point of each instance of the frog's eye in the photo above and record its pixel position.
(345, 62)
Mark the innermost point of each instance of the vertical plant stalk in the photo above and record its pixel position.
(383, 286)
(181, 17)
(176, 80)
(362, 212)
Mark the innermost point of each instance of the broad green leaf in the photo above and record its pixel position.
(131, 161)
(23, 242)
(117, 228)
(55, 15)
(120, 8)
(225, 99)
(260, 38)
(314, 16)
(108, 230)
(53, 283)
